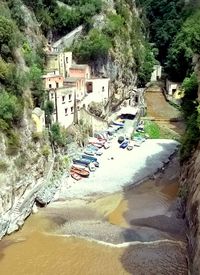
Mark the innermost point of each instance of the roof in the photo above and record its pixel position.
(72, 79)
(129, 110)
(79, 66)
(38, 112)
(51, 76)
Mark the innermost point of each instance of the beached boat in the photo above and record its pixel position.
(99, 152)
(97, 141)
(98, 145)
(118, 123)
(81, 161)
(79, 171)
(89, 157)
(124, 144)
(75, 176)
(92, 147)
(89, 152)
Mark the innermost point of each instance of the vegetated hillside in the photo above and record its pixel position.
(23, 153)
(116, 46)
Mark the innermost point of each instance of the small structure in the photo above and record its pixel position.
(97, 90)
(172, 87)
(157, 72)
(80, 70)
(38, 117)
(63, 99)
(53, 80)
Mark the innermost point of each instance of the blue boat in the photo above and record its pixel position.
(84, 162)
(124, 144)
(92, 148)
(121, 124)
(89, 157)
(89, 152)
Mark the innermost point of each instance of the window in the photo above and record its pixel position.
(57, 85)
(103, 89)
(66, 59)
(63, 99)
(66, 112)
(52, 95)
(72, 110)
(70, 98)
(173, 91)
(50, 85)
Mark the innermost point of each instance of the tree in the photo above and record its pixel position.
(11, 109)
(185, 45)
(95, 45)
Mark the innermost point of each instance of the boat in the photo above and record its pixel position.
(81, 161)
(92, 147)
(124, 144)
(106, 145)
(75, 176)
(97, 141)
(89, 152)
(117, 123)
(99, 152)
(79, 171)
(92, 167)
(89, 157)
(98, 145)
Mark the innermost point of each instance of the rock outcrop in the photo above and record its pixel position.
(190, 192)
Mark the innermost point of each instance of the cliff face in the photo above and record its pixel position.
(24, 155)
(190, 189)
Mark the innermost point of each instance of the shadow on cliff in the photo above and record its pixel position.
(155, 218)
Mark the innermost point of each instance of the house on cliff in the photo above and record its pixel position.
(70, 87)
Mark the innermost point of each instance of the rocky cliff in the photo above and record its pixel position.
(26, 159)
(190, 191)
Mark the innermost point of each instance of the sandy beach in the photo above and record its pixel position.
(120, 168)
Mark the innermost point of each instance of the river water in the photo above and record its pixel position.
(137, 231)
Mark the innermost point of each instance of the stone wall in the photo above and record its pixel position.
(96, 123)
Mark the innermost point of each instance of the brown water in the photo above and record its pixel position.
(145, 212)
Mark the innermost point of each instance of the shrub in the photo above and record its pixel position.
(95, 108)
(45, 151)
(3, 166)
(13, 143)
(95, 45)
(10, 108)
(20, 162)
(57, 135)
(36, 136)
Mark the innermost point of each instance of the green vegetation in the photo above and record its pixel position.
(10, 108)
(92, 47)
(153, 130)
(58, 135)
(191, 115)
(183, 48)
(63, 19)
(163, 20)
(3, 166)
